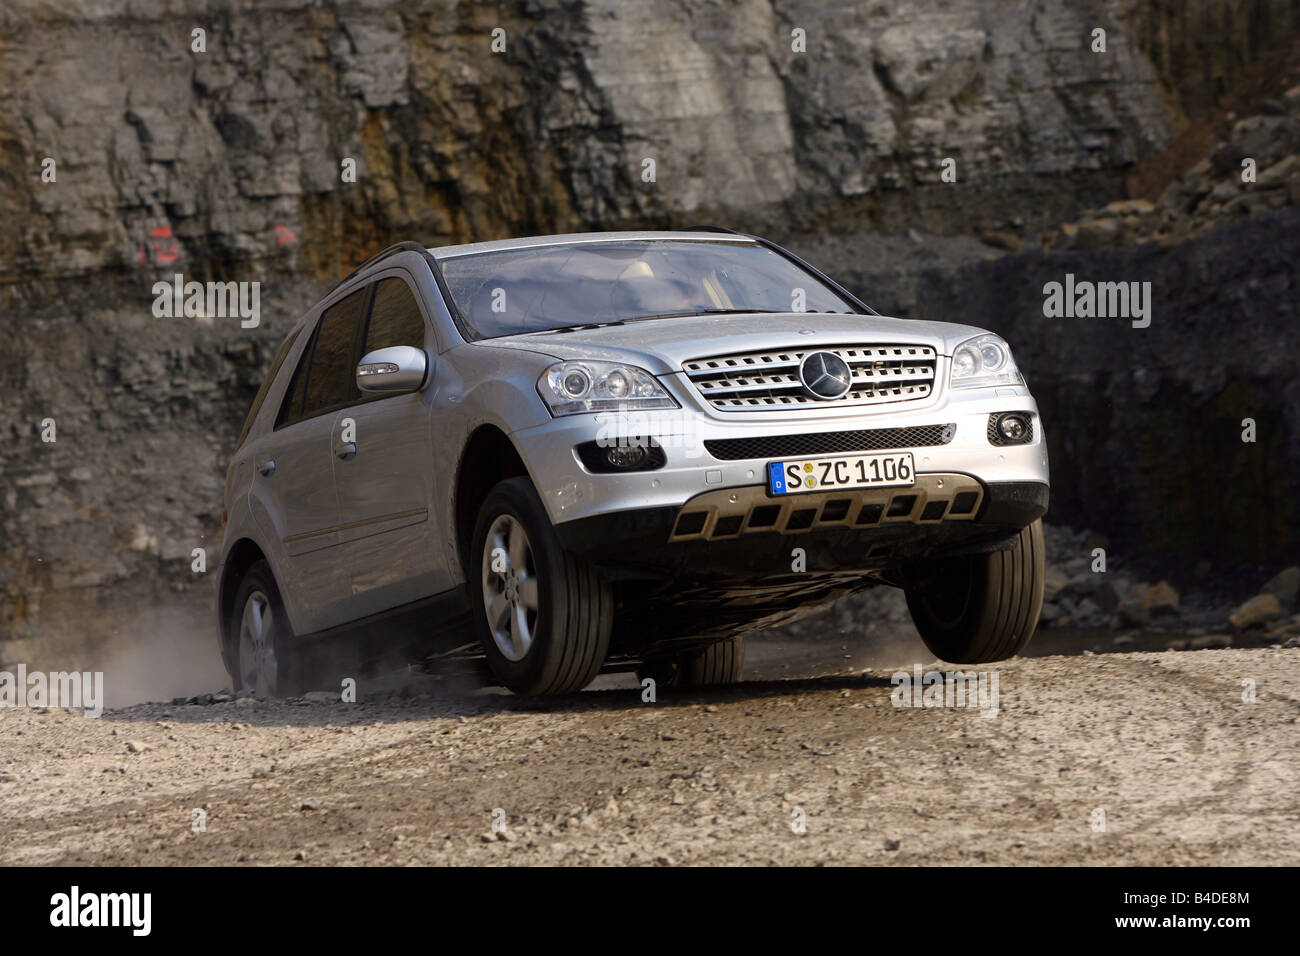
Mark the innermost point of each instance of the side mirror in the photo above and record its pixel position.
(400, 368)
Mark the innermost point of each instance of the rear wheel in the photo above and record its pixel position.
(713, 666)
(266, 660)
(983, 607)
(542, 614)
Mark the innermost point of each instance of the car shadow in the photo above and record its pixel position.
(415, 702)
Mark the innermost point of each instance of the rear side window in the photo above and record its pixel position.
(291, 407)
(276, 364)
(326, 376)
(395, 318)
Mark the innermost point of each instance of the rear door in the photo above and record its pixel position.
(383, 469)
(293, 492)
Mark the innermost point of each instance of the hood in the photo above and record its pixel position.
(661, 345)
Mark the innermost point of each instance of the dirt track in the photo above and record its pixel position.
(1185, 771)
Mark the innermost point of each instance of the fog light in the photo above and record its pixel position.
(1013, 427)
(625, 456)
(619, 455)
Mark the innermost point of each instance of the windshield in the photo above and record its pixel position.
(540, 288)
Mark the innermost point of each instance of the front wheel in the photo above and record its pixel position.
(543, 615)
(983, 607)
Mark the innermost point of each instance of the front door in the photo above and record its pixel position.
(383, 469)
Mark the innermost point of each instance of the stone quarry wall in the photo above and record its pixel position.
(234, 154)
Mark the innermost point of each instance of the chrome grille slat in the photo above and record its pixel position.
(753, 381)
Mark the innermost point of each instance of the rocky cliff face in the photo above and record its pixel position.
(228, 163)
(236, 152)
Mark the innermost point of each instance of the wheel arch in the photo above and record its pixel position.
(489, 457)
(243, 555)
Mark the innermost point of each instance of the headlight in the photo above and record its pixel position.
(983, 360)
(574, 387)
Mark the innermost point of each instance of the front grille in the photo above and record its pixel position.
(754, 381)
(829, 443)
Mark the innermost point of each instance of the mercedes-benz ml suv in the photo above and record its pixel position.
(624, 451)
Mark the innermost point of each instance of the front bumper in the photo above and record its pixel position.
(571, 492)
(645, 543)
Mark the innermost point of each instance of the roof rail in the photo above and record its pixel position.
(407, 246)
(730, 232)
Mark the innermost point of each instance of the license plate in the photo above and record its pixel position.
(833, 474)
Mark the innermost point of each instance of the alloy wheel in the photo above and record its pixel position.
(258, 666)
(510, 587)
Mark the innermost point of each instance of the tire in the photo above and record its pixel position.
(984, 607)
(542, 614)
(263, 651)
(717, 665)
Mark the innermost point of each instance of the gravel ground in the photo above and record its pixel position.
(1184, 770)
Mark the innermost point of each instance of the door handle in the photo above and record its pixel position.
(267, 468)
(347, 452)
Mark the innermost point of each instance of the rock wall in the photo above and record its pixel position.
(209, 159)
(1145, 425)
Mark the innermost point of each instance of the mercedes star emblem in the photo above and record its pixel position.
(825, 375)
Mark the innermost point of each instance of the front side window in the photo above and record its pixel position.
(331, 380)
(539, 288)
(325, 377)
(395, 318)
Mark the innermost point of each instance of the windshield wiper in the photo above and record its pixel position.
(571, 328)
(678, 315)
(643, 318)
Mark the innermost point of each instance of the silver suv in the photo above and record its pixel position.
(623, 451)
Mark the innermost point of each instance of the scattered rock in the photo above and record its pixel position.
(1089, 613)
(1258, 611)
(1098, 233)
(137, 747)
(1130, 207)
(1054, 582)
(1208, 641)
(1132, 613)
(1161, 598)
(1002, 240)
(1285, 586)
(1107, 595)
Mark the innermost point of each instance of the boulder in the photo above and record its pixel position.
(1285, 586)
(1258, 611)
(1054, 582)
(1161, 598)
